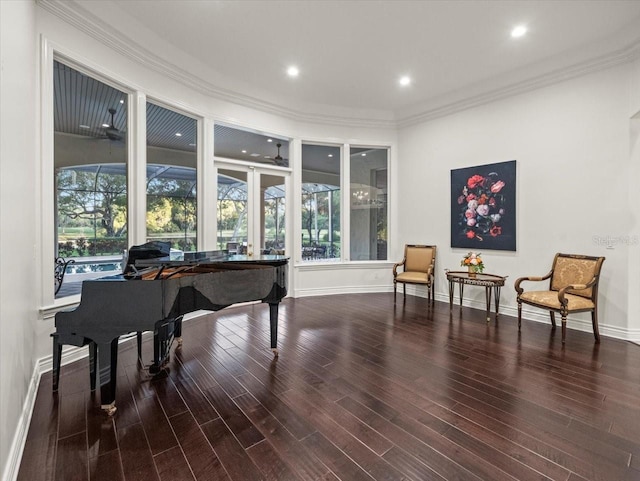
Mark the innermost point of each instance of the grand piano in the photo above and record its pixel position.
(153, 294)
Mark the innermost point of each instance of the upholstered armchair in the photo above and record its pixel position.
(573, 287)
(417, 268)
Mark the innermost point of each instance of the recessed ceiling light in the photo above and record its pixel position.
(405, 80)
(330, 155)
(122, 101)
(293, 71)
(269, 140)
(105, 125)
(244, 151)
(363, 154)
(86, 127)
(178, 134)
(254, 155)
(519, 31)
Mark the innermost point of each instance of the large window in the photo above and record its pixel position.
(90, 185)
(245, 145)
(321, 198)
(252, 179)
(368, 201)
(171, 177)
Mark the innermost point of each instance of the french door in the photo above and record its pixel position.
(251, 209)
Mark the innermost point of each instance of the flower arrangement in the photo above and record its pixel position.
(473, 261)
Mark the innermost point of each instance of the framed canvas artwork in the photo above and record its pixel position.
(483, 207)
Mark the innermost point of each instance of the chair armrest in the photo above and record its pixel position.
(395, 268)
(520, 290)
(576, 287)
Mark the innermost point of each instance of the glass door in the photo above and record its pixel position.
(232, 210)
(272, 224)
(251, 215)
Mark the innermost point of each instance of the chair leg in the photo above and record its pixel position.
(564, 328)
(519, 315)
(553, 319)
(394, 291)
(594, 321)
(404, 291)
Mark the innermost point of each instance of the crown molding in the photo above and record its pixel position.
(73, 13)
(603, 62)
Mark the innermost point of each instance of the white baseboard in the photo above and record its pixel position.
(332, 291)
(12, 467)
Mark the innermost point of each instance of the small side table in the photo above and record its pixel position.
(488, 281)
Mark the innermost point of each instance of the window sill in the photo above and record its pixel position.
(63, 304)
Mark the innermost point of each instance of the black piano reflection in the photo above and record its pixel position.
(154, 297)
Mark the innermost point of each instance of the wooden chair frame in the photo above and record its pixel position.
(570, 289)
(428, 280)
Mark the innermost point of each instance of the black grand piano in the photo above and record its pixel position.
(153, 294)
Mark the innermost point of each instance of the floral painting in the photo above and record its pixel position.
(483, 207)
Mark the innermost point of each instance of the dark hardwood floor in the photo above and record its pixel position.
(362, 390)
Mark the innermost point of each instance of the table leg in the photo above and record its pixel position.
(497, 297)
(487, 293)
(461, 288)
(450, 295)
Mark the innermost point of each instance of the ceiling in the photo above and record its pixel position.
(352, 53)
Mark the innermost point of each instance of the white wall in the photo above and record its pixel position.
(633, 175)
(18, 144)
(571, 142)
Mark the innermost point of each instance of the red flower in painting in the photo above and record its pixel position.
(470, 234)
(495, 231)
(474, 180)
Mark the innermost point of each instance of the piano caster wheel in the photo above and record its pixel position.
(275, 352)
(110, 409)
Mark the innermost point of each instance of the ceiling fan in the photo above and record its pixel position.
(111, 132)
(278, 160)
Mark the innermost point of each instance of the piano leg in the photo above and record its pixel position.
(139, 341)
(107, 364)
(93, 359)
(178, 331)
(273, 321)
(57, 359)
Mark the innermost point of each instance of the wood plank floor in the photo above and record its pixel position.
(362, 390)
